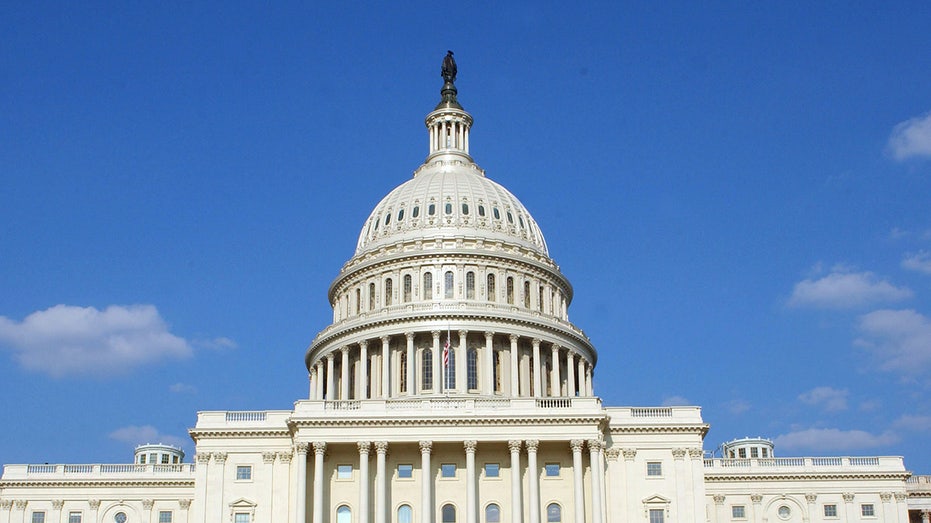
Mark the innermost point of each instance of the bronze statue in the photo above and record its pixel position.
(448, 72)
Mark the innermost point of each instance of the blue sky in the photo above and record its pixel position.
(738, 192)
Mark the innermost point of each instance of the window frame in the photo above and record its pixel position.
(162, 519)
(496, 467)
(867, 507)
(341, 469)
(654, 469)
(243, 472)
(548, 469)
(445, 469)
(829, 507)
(405, 471)
(738, 512)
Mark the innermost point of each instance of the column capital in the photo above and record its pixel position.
(555, 348)
(426, 446)
(629, 454)
(612, 453)
(385, 339)
(514, 445)
(756, 498)
(20, 504)
(364, 447)
(435, 334)
(330, 356)
(595, 445)
(811, 497)
(381, 447)
(285, 457)
(147, 504)
(184, 504)
(513, 338)
(696, 453)
(409, 336)
(5, 504)
(576, 445)
(463, 333)
(202, 457)
(679, 454)
(886, 497)
(219, 457)
(489, 334)
(848, 497)
(536, 342)
(302, 447)
(718, 499)
(901, 496)
(268, 457)
(470, 445)
(532, 445)
(319, 448)
(344, 349)
(94, 504)
(58, 503)
(364, 344)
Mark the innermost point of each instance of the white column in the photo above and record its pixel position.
(516, 512)
(533, 476)
(320, 380)
(462, 357)
(555, 385)
(319, 452)
(576, 446)
(594, 454)
(488, 386)
(364, 447)
(344, 374)
(437, 362)
(426, 480)
(330, 380)
(588, 380)
(470, 480)
(385, 368)
(411, 386)
(312, 382)
(515, 388)
(570, 373)
(300, 498)
(582, 376)
(719, 515)
(363, 369)
(537, 377)
(381, 489)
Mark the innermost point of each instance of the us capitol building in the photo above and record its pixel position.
(451, 387)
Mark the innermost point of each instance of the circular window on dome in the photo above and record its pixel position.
(120, 517)
(784, 512)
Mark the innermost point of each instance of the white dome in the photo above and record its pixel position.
(450, 198)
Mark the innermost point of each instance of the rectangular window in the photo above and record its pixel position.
(142, 459)
(164, 516)
(656, 515)
(38, 517)
(244, 472)
(405, 471)
(754, 452)
(492, 470)
(741, 453)
(166, 459)
(830, 511)
(344, 472)
(866, 510)
(551, 470)
(448, 470)
(738, 512)
(654, 468)
(74, 517)
(241, 517)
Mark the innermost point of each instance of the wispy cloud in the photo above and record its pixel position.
(913, 423)
(140, 435)
(842, 289)
(911, 138)
(919, 261)
(221, 343)
(900, 339)
(833, 440)
(827, 398)
(737, 406)
(68, 340)
(675, 401)
(182, 388)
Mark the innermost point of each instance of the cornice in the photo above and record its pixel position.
(238, 433)
(792, 476)
(651, 429)
(443, 421)
(23, 483)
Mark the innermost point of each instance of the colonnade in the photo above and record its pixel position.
(414, 364)
(470, 447)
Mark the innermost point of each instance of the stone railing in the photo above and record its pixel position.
(97, 470)
(452, 405)
(919, 485)
(725, 465)
(653, 415)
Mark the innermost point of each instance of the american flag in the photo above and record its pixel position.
(446, 352)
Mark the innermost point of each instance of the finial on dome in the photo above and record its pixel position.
(448, 92)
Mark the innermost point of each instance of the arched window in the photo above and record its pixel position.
(405, 514)
(402, 383)
(465, 209)
(510, 290)
(407, 288)
(540, 298)
(431, 209)
(448, 285)
(553, 513)
(527, 294)
(491, 287)
(449, 208)
(401, 215)
(343, 514)
(470, 285)
(472, 369)
(389, 290)
(492, 514)
(358, 301)
(428, 286)
(416, 212)
(426, 369)
(371, 296)
(448, 514)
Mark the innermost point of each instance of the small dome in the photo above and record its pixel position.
(450, 198)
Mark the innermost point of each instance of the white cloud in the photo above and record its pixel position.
(833, 440)
(140, 435)
(830, 399)
(919, 261)
(737, 406)
(842, 289)
(182, 388)
(66, 340)
(914, 423)
(911, 138)
(675, 401)
(221, 343)
(900, 339)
